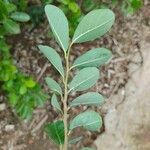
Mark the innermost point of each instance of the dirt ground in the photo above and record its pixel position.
(124, 41)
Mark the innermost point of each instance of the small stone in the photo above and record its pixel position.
(2, 107)
(9, 127)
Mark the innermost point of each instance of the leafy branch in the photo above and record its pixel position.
(93, 25)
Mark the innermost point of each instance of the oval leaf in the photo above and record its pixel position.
(89, 120)
(85, 79)
(93, 25)
(93, 58)
(11, 26)
(53, 57)
(20, 16)
(90, 98)
(53, 85)
(55, 104)
(55, 132)
(59, 25)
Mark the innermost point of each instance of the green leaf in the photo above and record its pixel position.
(65, 2)
(93, 58)
(84, 79)
(27, 112)
(136, 4)
(87, 148)
(54, 103)
(3, 8)
(74, 7)
(89, 120)
(10, 7)
(55, 132)
(30, 83)
(11, 26)
(59, 25)
(89, 5)
(40, 98)
(53, 57)
(53, 85)
(90, 98)
(22, 90)
(93, 25)
(13, 98)
(20, 16)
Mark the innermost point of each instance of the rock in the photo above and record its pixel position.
(2, 107)
(127, 120)
(9, 127)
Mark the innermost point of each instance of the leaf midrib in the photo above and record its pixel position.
(81, 83)
(91, 30)
(92, 123)
(86, 62)
(84, 125)
(57, 134)
(52, 26)
(59, 67)
(85, 103)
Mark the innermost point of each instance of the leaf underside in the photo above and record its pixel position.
(59, 25)
(53, 57)
(53, 85)
(55, 103)
(95, 24)
(93, 58)
(89, 120)
(90, 98)
(84, 79)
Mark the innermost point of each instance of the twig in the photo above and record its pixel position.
(42, 71)
(40, 124)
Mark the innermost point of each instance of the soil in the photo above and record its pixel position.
(123, 40)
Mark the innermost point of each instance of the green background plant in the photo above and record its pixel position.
(75, 10)
(86, 66)
(23, 93)
(9, 16)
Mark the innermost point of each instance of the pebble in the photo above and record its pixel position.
(2, 107)
(9, 127)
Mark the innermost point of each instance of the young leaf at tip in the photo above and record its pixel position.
(53, 57)
(55, 103)
(93, 58)
(59, 25)
(89, 120)
(95, 24)
(53, 85)
(55, 131)
(84, 79)
(90, 98)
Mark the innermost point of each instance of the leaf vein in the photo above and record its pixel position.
(91, 30)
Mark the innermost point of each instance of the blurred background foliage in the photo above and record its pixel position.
(75, 9)
(23, 93)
